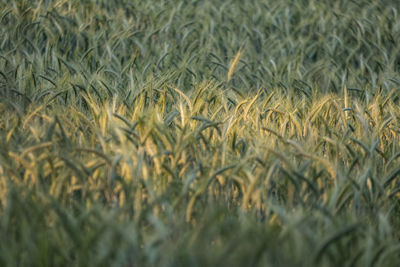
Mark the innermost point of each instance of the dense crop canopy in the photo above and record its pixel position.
(199, 133)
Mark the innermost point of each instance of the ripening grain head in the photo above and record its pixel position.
(234, 63)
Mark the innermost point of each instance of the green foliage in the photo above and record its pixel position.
(199, 133)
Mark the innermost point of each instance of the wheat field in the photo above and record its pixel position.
(199, 133)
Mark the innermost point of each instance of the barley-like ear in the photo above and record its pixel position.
(347, 107)
(235, 61)
(346, 98)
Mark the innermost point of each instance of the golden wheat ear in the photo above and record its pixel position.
(234, 63)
